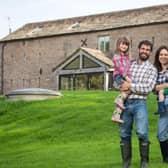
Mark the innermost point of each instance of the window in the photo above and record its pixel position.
(73, 64)
(67, 82)
(88, 81)
(87, 63)
(104, 43)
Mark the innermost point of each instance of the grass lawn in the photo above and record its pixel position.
(74, 131)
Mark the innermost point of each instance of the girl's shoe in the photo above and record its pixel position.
(117, 120)
(116, 117)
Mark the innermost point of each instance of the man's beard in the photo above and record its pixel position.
(142, 57)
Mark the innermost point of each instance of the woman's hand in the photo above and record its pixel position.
(161, 86)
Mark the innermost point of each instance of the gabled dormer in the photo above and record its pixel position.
(84, 69)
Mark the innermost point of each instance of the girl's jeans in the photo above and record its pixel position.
(163, 124)
(136, 110)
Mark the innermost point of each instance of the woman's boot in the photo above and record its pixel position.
(164, 150)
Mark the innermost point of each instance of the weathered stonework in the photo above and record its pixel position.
(28, 61)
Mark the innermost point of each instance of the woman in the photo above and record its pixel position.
(161, 63)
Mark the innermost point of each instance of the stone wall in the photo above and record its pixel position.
(29, 63)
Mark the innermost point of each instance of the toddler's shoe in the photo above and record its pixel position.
(116, 117)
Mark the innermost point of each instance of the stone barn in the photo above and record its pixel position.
(75, 53)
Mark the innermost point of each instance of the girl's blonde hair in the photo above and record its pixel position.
(119, 41)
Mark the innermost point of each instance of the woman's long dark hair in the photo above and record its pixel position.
(157, 63)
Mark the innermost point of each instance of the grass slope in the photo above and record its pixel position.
(72, 132)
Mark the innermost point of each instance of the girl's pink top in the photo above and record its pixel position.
(121, 65)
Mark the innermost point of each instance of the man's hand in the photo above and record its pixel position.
(125, 86)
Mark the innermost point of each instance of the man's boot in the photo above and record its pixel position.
(164, 150)
(126, 152)
(144, 153)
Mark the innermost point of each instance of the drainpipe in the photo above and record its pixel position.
(2, 68)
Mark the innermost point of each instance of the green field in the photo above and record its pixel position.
(74, 131)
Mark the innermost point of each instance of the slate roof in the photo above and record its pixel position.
(97, 22)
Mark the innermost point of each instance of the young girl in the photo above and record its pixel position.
(121, 73)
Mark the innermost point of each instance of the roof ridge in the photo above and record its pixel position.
(98, 14)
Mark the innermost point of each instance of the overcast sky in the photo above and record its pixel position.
(16, 13)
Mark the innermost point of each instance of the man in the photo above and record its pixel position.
(143, 77)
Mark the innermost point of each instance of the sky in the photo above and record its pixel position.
(16, 13)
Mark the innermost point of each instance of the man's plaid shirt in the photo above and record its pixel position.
(143, 78)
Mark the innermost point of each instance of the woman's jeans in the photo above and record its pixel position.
(136, 110)
(163, 124)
